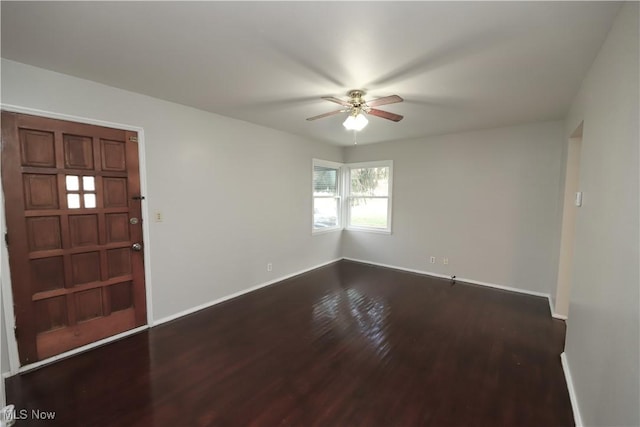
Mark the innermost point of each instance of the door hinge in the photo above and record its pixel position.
(6, 239)
(15, 331)
(133, 139)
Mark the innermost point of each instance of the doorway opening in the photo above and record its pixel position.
(572, 201)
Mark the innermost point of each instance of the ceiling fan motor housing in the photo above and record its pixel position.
(356, 98)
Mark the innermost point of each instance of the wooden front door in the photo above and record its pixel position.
(72, 202)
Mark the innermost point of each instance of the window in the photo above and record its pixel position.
(367, 193)
(369, 196)
(75, 194)
(326, 196)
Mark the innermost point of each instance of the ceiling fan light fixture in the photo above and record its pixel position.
(355, 122)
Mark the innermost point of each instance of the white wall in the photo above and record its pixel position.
(602, 345)
(234, 195)
(488, 200)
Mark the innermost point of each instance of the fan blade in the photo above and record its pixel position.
(385, 100)
(326, 115)
(385, 115)
(337, 101)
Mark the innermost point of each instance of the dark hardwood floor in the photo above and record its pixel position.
(345, 345)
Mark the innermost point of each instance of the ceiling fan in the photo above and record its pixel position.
(356, 106)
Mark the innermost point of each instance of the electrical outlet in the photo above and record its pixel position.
(445, 260)
(432, 260)
(157, 216)
(269, 267)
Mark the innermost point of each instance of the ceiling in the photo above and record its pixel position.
(458, 65)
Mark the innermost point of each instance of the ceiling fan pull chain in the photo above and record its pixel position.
(355, 140)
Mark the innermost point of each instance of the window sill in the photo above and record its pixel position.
(325, 230)
(369, 230)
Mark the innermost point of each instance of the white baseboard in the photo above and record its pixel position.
(553, 311)
(237, 294)
(572, 392)
(458, 279)
(395, 267)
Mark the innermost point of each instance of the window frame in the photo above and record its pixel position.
(343, 196)
(347, 198)
(338, 197)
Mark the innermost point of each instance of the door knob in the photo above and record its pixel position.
(136, 247)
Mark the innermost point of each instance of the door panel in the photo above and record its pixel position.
(70, 191)
(37, 148)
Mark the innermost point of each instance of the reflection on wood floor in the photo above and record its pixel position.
(348, 344)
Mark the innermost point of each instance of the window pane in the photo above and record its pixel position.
(370, 181)
(325, 181)
(72, 183)
(325, 212)
(88, 183)
(73, 201)
(89, 200)
(367, 212)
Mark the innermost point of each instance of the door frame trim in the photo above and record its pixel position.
(5, 280)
